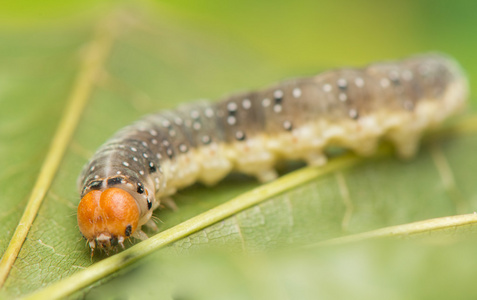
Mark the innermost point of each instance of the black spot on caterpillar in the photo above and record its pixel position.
(114, 180)
(249, 132)
(95, 185)
(127, 232)
(140, 188)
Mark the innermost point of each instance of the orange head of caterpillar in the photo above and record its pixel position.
(106, 218)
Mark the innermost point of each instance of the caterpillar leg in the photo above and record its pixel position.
(316, 159)
(408, 149)
(406, 143)
(367, 147)
(155, 205)
(214, 169)
(169, 203)
(151, 225)
(214, 165)
(139, 234)
(266, 175)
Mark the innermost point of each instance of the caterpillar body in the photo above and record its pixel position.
(249, 132)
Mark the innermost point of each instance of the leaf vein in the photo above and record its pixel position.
(348, 203)
(447, 178)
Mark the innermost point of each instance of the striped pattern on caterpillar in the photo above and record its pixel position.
(249, 132)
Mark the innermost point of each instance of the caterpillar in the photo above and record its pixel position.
(249, 132)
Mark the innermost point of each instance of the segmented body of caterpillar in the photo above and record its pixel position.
(248, 132)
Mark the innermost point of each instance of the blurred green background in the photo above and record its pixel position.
(170, 52)
(300, 33)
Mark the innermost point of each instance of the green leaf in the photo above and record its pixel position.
(162, 55)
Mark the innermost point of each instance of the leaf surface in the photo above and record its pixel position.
(175, 53)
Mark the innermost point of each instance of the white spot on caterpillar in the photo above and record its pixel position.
(154, 141)
(182, 148)
(278, 94)
(359, 82)
(197, 125)
(232, 106)
(277, 108)
(133, 149)
(172, 132)
(169, 151)
(246, 103)
(165, 123)
(327, 87)
(343, 97)
(209, 112)
(153, 132)
(134, 158)
(231, 120)
(145, 155)
(144, 144)
(92, 168)
(296, 92)
(206, 139)
(178, 121)
(353, 113)
(96, 176)
(287, 125)
(194, 114)
(266, 102)
(141, 172)
(342, 83)
(118, 172)
(240, 135)
(158, 155)
(166, 143)
(125, 163)
(384, 82)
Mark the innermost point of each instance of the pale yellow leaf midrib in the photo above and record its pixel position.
(404, 229)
